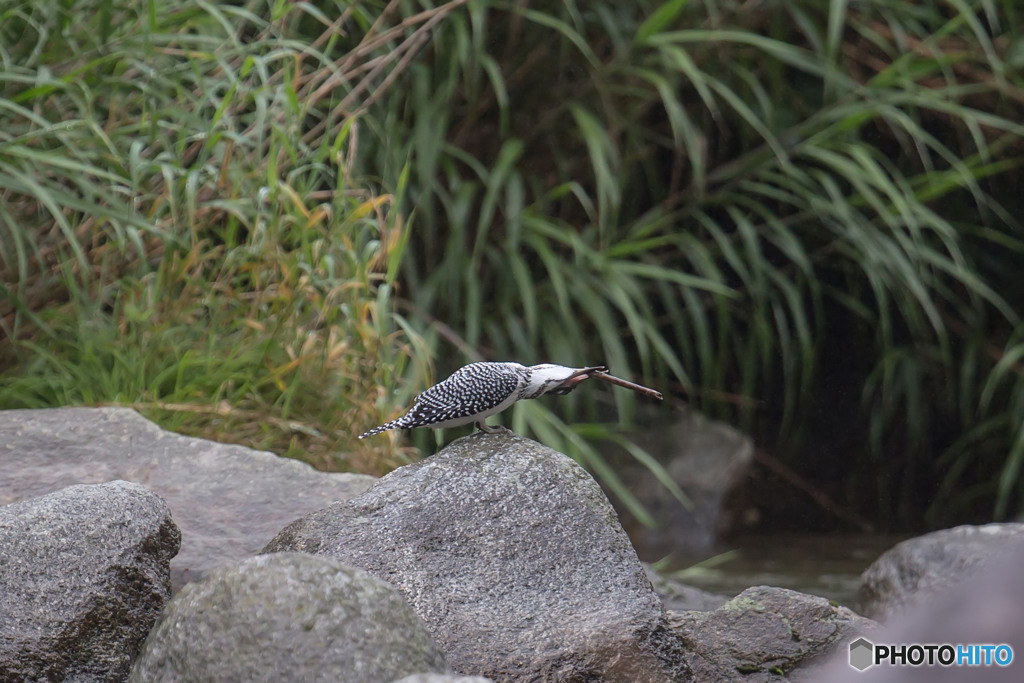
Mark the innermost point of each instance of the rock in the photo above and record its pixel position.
(84, 574)
(986, 607)
(287, 617)
(679, 597)
(512, 555)
(927, 565)
(764, 633)
(227, 500)
(708, 460)
(443, 678)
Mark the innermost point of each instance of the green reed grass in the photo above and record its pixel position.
(701, 193)
(730, 201)
(172, 243)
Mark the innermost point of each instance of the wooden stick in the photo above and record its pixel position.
(587, 372)
(640, 389)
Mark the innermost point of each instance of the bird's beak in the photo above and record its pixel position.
(580, 375)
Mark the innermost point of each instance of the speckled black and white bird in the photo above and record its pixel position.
(479, 390)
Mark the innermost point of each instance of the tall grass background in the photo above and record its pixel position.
(274, 222)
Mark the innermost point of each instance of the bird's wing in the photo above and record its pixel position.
(467, 392)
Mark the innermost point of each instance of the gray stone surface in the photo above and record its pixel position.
(764, 634)
(83, 575)
(443, 678)
(926, 566)
(707, 459)
(227, 500)
(987, 607)
(287, 617)
(514, 558)
(679, 597)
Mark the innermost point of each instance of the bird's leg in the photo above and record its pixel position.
(484, 427)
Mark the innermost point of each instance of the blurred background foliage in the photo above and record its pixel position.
(171, 243)
(264, 221)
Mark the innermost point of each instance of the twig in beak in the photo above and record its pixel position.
(583, 374)
(570, 382)
(640, 389)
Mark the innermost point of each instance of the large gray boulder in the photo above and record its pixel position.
(925, 566)
(287, 617)
(227, 500)
(985, 608)
(765, 635)
(443, 678)
(513, 557)
(84, 572)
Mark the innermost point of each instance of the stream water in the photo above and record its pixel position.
(829, 566)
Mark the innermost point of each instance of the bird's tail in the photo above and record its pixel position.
(387, 426)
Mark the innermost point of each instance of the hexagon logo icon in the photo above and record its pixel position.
(862, 654)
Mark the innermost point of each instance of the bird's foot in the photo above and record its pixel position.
(495, 429)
